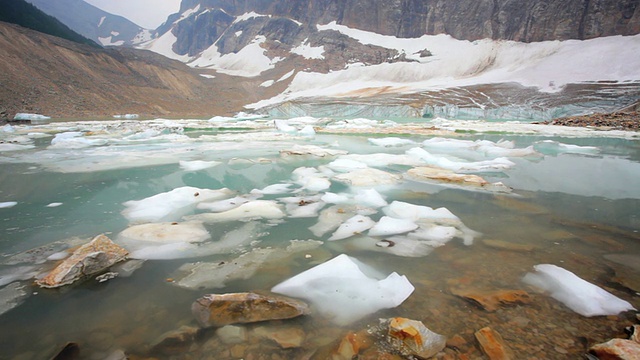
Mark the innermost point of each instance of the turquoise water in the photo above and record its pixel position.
(573, 208)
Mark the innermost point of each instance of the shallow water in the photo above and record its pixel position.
(573, 208)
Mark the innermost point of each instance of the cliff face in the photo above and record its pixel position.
(528, 21)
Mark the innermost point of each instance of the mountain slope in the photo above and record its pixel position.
(24, 14)
(98, 25)
(59, 78)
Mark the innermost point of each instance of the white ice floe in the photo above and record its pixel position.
(403, 210)
(172, 205)
(353, 226)
(224, 205)
(550, 147)
(311, 179)
(168, 232)
(196, 165)
(369, 197)
(332, 217)
(29, 116)
(332, 198)
(178, 248)
(74, 140)
(273, 189)
(390, 141)
(500, 163)
(303, 206)
(390, 226)
(54, 204)
(8, 204)
(310, 151)
(344, 290)
(577, 294)
(484, 148)
(254, 209)
(346, 165)
(378, 160)
(368, 177)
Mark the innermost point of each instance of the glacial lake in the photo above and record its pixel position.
(568, 197)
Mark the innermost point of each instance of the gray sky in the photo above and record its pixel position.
(146, 13)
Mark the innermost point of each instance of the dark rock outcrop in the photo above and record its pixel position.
(535, 20)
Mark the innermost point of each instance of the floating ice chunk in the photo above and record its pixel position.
(165, 233)
(307, 131)
(231, 241)
(8, 129)
(403, 210)
(18, 273)
(577, 294)
(369, 197)
(303, 207)
(273, 189)
(368, 177)
(550, 147)
(390, 226)
(15, 147)
(390, 141)
(346, 165)
(61, 255)
(354, 226)
(170, 206)
(334, 216)
(445, 163)
(448, 144)
(74, 140)
(383, 159)
(340, 290)
(255, 209)
(196, 165)
(332, 198)
(28, 116)
(223, 205)
(54, 204)
(7, 204)
(311, 151)
(282, 126)
(434, 235)
(396, 245)
(311, 179)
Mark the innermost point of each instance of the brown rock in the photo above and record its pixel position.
(617, 349)
(492, 344)
(412, 338)
(635, 335)
(70, 351)
(238, 308)
(176, 341)
(456, 341)
(88, 259)
(285, 337)
(492, 300)
(446, 176)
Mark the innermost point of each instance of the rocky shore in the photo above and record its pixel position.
(612, 121)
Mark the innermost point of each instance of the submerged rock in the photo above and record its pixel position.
(412, 338)
(239, 308)
(285, 337)
(176, 341)
(89, 259)
(492, 300)
(493, 345)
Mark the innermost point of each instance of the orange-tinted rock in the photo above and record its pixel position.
(492, 300)
(506, 245)
(176, 341)
(285, 337)
(88, 259)
(412, 338)
(492, 344)
(617, 349)
(351, 345)
(239, 308)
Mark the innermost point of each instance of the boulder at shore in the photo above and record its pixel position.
(91, 258)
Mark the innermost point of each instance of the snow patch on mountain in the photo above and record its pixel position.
(248, 62)
(309, 52)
